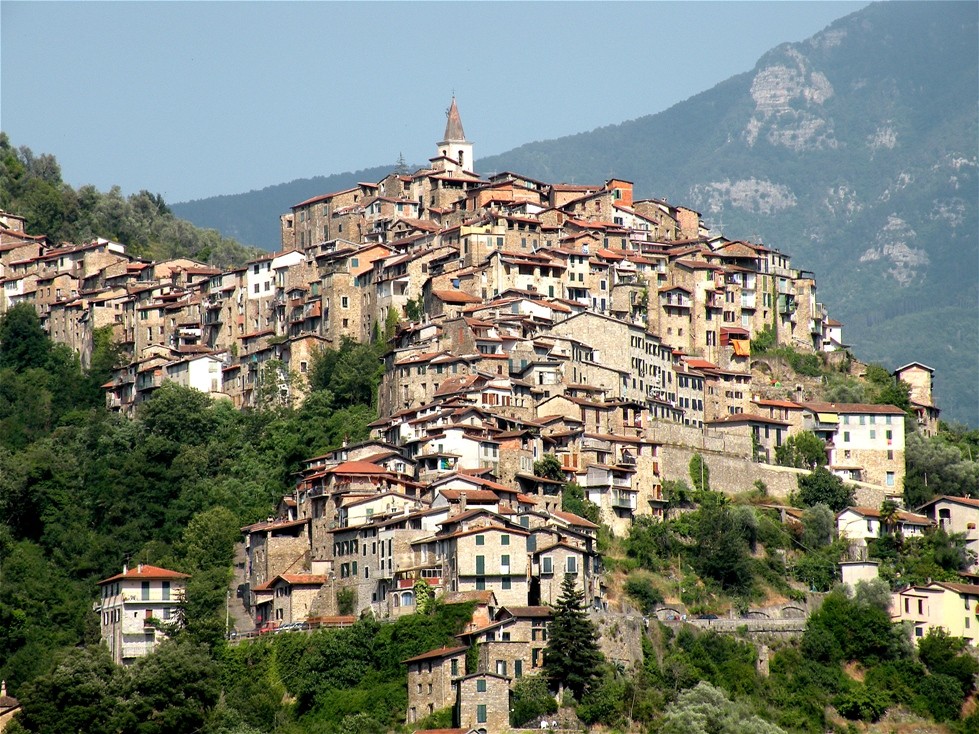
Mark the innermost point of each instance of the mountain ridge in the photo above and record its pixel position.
(853, 151)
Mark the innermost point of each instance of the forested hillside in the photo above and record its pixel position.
(31, 187)
(82, 491)
(854, 151)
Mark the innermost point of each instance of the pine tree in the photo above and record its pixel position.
(572, 657)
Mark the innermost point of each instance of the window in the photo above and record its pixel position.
(846, 437)
(481, 713)
(454, 666)
(480, 539)
(501, 667)
(166, 591)
(480, 583)
(344, 302)
(518, 668)
(480, 565)
(505, 564)
(506, 584)
(504, 539)
(873, 434)
(481, 686)
(145, 587)
(890, 479)
(547, 565)
(572, 565)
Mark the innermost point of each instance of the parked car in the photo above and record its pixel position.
(293, 627)
(267, 627)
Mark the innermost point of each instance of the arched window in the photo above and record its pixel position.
(407, 599)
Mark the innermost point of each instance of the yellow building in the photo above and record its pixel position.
(950, 606)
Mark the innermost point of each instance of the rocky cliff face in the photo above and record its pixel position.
(854, 152)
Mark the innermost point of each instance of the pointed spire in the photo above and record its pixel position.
(453, 125)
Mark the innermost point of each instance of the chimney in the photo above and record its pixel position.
(139, 568)
(462, 501)
(125, 568)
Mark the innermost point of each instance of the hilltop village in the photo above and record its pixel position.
(525, 320)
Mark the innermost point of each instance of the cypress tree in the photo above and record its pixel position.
(572, 657)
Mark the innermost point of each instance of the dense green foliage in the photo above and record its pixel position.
(573, 499)
(31, 186)
(946, 464)
(804, 450)
(82, 490)
(822, 487)
(531, 699)
(936, 555)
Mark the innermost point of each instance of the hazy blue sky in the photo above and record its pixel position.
(192, 99)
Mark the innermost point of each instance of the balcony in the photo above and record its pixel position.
(623, 500)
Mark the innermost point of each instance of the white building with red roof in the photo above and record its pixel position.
(136, 608)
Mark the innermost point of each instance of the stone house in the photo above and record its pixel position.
(921, 379)
(483, 702)
(274, 547)
(490, 558)
(863, 442)
(292, 599)
(432, 680)
(767, 434)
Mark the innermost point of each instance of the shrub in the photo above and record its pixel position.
(861, 702)
(531, 699)
(639, 586)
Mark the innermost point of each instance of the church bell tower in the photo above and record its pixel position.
(454, 144)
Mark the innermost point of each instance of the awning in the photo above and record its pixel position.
(742, 347)
(828, 417)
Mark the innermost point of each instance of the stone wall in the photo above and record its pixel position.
(729, 474)
(733, 474)
(620, 636)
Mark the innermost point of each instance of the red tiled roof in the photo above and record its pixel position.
(572, 519)
(302, 579)
(442, 652)
(357, 467)
(472, 495)
(853, 408)
(146, 572)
